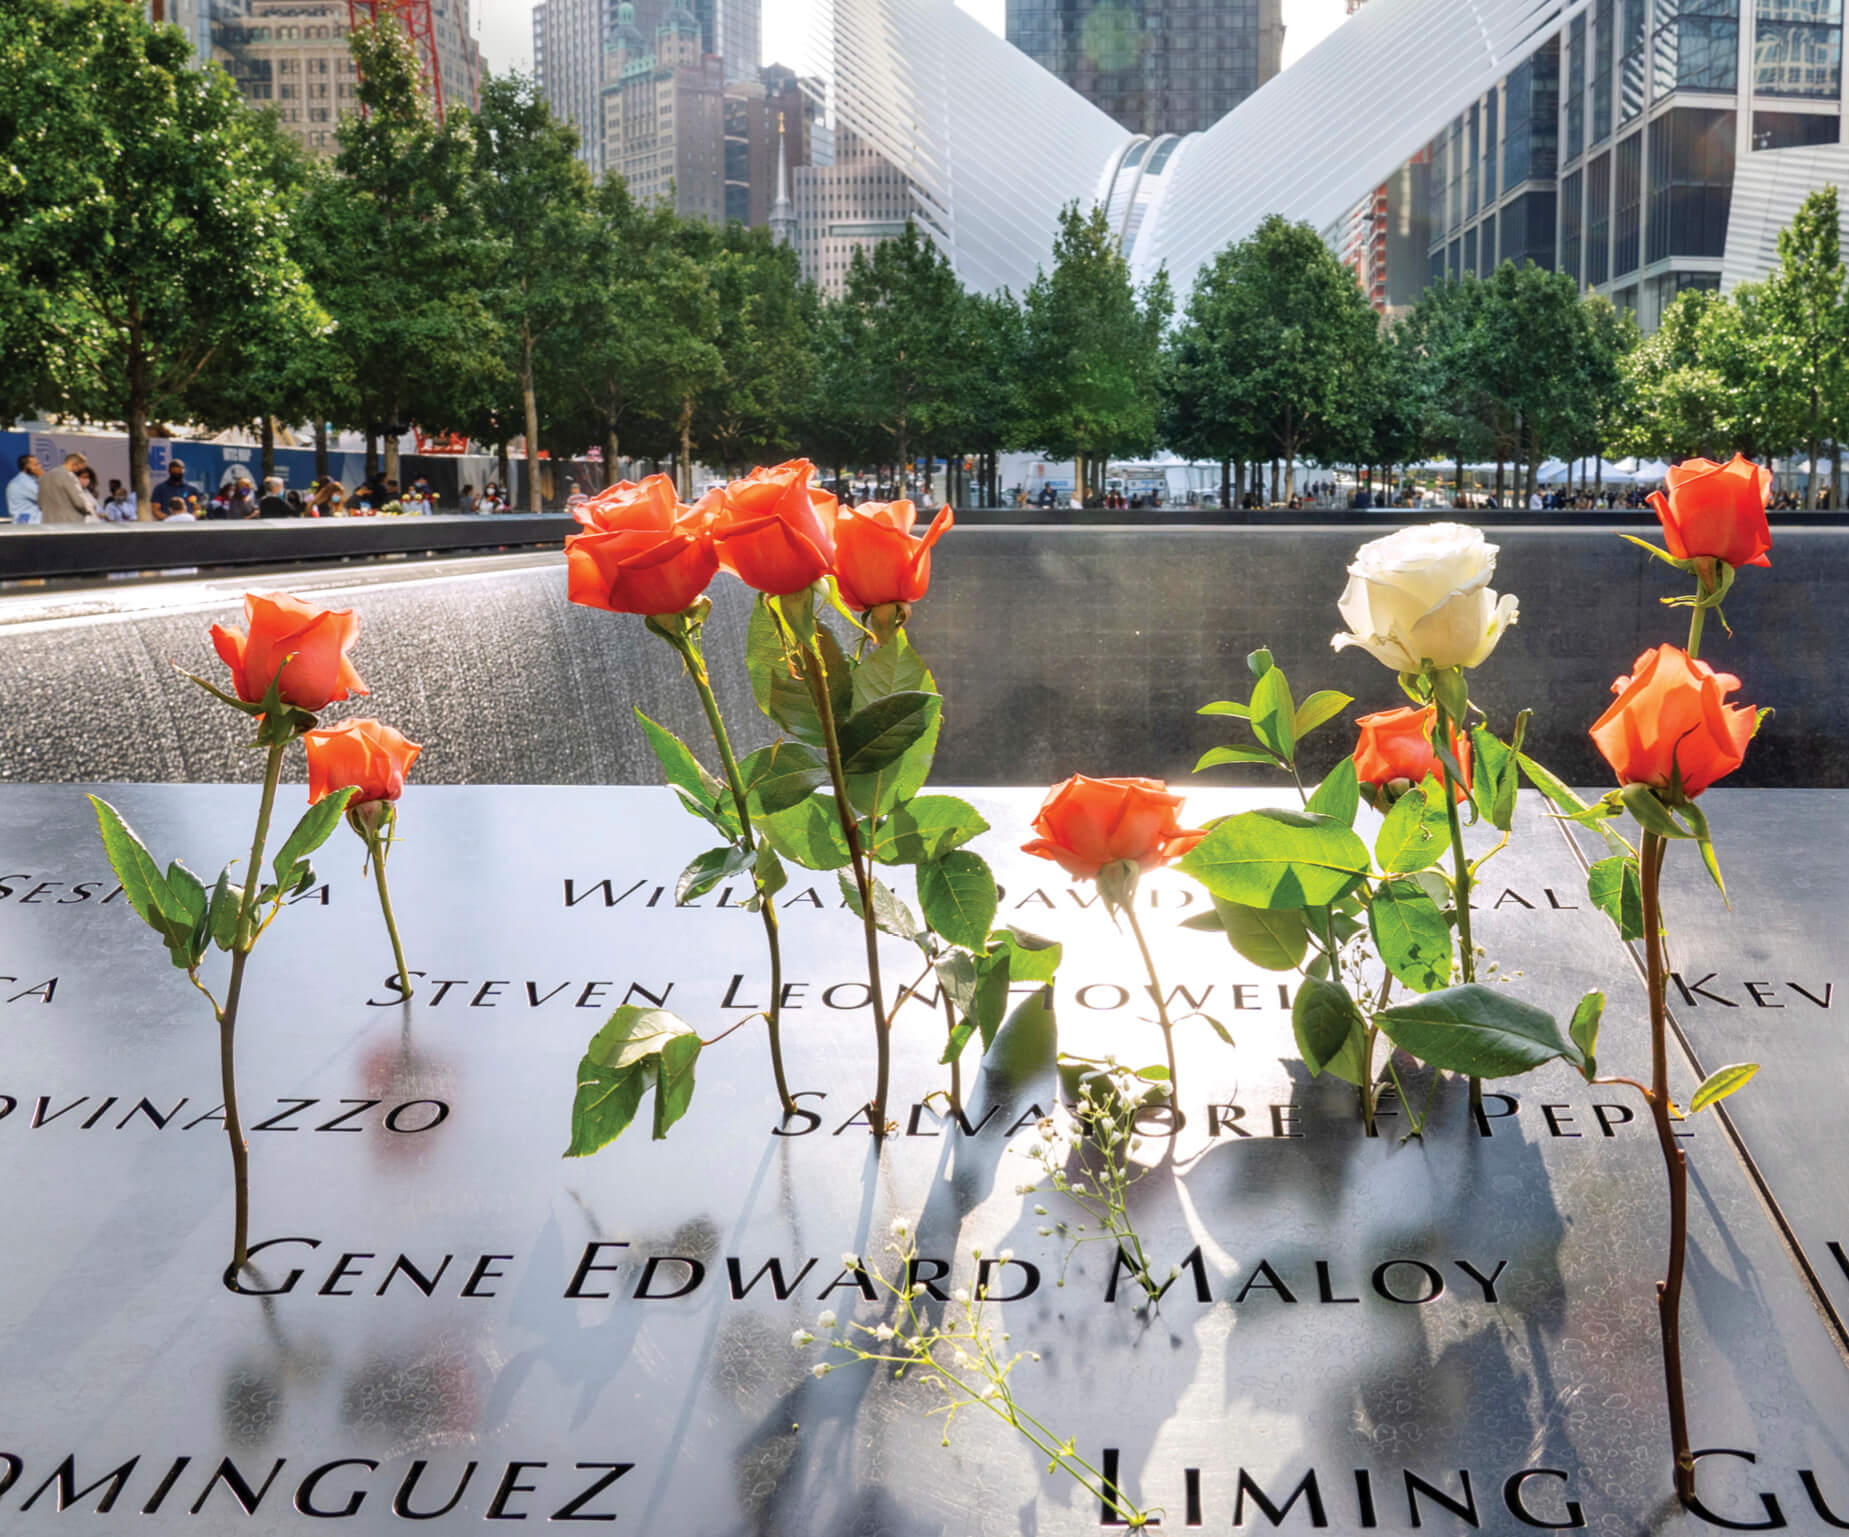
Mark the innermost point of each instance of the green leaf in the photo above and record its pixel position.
(222, 911)
(978, 987)
(1030, 957)
(1215, 756)
(1339, 795)
(1584, 1029)
(780, 694)
(674, 1080)
(778, 776)
(1274, 940)
(1258, 662)
(1278, 859)
(1491, 762)
(890, 915)
(678, 762)
(957, 895)
(1411, 838)
(808, 833)
(1712, 864)
(634, 1051)
(767, 870)
(1452, 692)
(1322, 706)
(1411, 935)
(188, 891)
(894, 668)
(1567, 803)
(1478, 1030)
(317, 825)
(1230, 707)
(1720, 1083)
(1330, 1031)
(879, 735)
(924, 828)
(1617, 891)
(876, 793)
(708, 870)
(136, 872)
(1272, 713)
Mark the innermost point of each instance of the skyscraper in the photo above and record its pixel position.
(1157, 66)
(731, 29)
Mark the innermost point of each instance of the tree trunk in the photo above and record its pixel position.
(391, 455)
(1836, 475)
(686, 454)
(530, 401)
(1810, 478)
(610, 457)
(1226, 485)
(372, 452)
(1460, 467)
(138, 474)
(1239, 485)
(266, 460)
(930, 471)
(321, 457)
(1274, 477)
(1078, 477)
(507, 469)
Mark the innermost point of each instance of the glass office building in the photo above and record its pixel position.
(1156, 66)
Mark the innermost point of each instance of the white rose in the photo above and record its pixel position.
(1423, 595)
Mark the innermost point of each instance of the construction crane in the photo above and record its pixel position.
(419, 25)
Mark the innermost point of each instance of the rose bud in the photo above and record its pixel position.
(876, 558)
(1671, 724)
(365, 754)
(1396, 745)
(646, 553)
(774, 531)
(1423, 595)
(300, 648)
(1717, 511)
(1086, 824)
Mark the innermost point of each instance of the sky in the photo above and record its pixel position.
(505, 27)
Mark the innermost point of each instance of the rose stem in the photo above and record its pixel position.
(1697, 615)
(1155, 988)
(243, 939)
(377, 846)
(1460, 885)
(689, 647)
(1669, 1291)
(815, 670)
(1366, 1087)
(956, 1062)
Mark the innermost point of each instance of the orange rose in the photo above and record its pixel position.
(1086, 824)
(774, 531)
(1671, 716)
(876, 558)
(609, 511)
(646, 552)
(301, 648)
(1716, 510)
(1397, 744)
(366, 753)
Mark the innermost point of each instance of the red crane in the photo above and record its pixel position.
(419, 25)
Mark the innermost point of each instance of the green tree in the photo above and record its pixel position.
(402, 258)
(748, 407)
(1807, 314)
(1293, 336)
(896, 368)
(135, 200)
(987, 410)
(534, 196)
(1092, 350)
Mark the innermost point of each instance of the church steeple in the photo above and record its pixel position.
(782, 210)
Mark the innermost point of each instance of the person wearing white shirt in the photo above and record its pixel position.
(22, 492)
(119, 506)
(1534, 501)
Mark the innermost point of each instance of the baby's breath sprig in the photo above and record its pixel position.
(1086, 1155)
(966, 1358)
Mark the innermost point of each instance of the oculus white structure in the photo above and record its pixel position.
(994, 146)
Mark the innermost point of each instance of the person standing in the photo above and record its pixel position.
(62, 498)
(22, 492)
(174, 485)
(273, 504)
